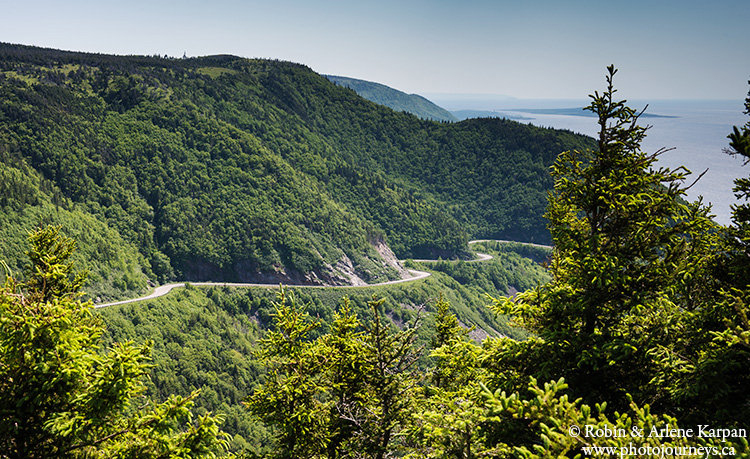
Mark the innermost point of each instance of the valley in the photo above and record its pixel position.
(221, 169)
(521, 232)
(236, 176)
(242, 222)
(413, 275)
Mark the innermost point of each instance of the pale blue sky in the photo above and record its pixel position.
(525, 49)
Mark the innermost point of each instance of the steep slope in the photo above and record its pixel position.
(395, 99)
(491, 175)
(115, 266)
(221, 168)
(194, 194)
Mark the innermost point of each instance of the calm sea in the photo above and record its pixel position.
(697, 130)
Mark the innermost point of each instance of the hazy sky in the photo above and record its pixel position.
(521, 48)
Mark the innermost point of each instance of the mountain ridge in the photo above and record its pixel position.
(395, 99)
(221, 168)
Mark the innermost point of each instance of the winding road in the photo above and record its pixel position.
(164, 289)
(416, 275)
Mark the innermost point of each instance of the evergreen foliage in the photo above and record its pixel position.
(228, 167)
(709, 371)
(116, 268)
(739, 145)
(60, 395)
(624, 241)
(204, 338)
(645, 320)
(346, 393)
(323, 396)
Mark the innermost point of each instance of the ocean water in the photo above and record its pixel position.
(696, 132)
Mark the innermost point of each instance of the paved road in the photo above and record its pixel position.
(511, 242)
(416, 275)
(164, 289)
(480, 257)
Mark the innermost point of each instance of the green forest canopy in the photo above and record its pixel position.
(642, 330)
(221, 168)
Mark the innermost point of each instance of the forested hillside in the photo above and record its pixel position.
(395, 99)
(634, 336)
(232, 169)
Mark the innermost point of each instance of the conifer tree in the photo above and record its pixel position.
(344, 394)
(710, 372)
(60, 395)
(739, 145)
(624, 241)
